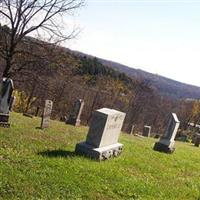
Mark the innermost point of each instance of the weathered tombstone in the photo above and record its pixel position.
(74, 117)
(146, 131)
(197, 140)
(194, 137)
(6, 89)
(166, 143)
(102, 138)
(46, 114)
(12, 103)
(132, 130)
(181, 137)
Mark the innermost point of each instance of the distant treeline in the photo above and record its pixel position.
(94, 67)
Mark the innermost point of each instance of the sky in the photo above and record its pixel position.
(161, 37)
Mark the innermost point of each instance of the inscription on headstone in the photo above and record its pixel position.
(166, 143)
(74, 117)
(102, 139)
(6, 89)
(46, 114)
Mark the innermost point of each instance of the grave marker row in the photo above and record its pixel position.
(102, 139)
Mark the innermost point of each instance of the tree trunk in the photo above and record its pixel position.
(7, 68)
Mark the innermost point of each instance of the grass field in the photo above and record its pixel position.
(41, 164)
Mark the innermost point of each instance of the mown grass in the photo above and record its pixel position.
(41, 164)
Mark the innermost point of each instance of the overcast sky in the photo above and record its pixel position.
(162, 37)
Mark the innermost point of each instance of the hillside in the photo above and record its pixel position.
(36, 164)
(165, 86)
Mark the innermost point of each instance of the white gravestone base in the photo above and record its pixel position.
(102, 153)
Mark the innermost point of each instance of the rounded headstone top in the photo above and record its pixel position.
(9, 80)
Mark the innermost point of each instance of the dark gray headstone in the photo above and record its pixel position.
(146, 131)
(166, 143)
(6, 89)
(197, 140)
(46, 114)
(75, 115)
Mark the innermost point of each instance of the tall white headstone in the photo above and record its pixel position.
(102, 139)
(166, 143)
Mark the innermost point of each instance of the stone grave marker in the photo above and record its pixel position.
(46, 114)
(6, 89)
(146, 131)
(166, 143)
(132, 130)
(74, 117)
(197, 140)
(102, 138)
(195, 135)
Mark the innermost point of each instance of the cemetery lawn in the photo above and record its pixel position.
(41, 164)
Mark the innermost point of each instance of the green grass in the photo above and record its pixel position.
(41, 164)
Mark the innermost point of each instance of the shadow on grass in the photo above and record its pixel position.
(57, 153)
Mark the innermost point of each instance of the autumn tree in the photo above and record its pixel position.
(21, 18)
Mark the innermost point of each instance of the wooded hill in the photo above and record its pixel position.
(44, 71)
(164, 86)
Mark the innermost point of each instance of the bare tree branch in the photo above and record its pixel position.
(24, 17)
